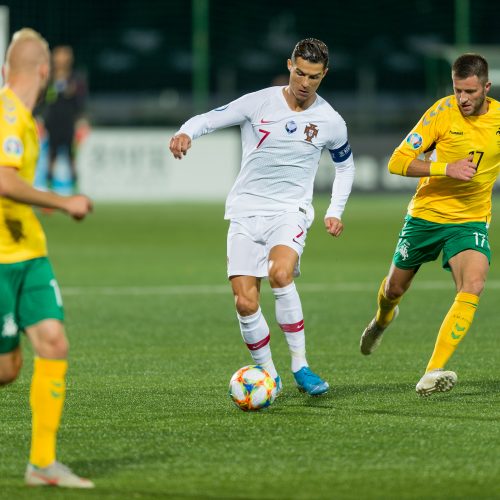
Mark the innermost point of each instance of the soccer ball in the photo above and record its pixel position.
(252, 388)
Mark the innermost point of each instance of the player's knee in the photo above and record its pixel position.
(474, 287)
(9, 372)
(246, 306)
(279, 277)
(56, 348)
(49, 340)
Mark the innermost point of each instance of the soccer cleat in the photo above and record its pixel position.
(279, 385)
(309, 382)
(437, 380)
(55, 474)
(372, 336)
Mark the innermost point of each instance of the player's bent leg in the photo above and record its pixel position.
(389, 295)
(10, 366)
(437, 380)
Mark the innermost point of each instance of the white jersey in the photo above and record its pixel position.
(281, 149)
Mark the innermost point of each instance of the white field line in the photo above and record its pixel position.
(371, 287)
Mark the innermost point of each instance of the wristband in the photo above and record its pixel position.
(437, 168)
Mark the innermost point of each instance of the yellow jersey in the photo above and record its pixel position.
(21, 234)
(453, 137)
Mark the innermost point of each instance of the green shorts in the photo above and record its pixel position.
(29, 293)
(421, 241)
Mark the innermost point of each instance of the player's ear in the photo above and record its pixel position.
(289, 64)
(44, 71)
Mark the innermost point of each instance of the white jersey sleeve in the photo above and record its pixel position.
(234, 113)
(344, 177)
(341, 188)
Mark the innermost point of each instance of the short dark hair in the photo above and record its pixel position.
(470, 65)
(312, 50)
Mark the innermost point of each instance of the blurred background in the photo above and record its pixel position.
(149, 65)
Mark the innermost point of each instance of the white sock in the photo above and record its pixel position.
(291, 320)
(256, 336)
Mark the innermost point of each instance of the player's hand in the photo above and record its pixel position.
(462, 170)
(334, 226)
(179, 144)
(78, 206)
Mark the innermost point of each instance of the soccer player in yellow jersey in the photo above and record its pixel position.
(30, 300)
(449, 213)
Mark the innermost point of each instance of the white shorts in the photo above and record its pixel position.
(250, 239)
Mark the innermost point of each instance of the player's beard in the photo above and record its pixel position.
(476, 106)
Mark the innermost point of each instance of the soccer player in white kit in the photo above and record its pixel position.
(283, 132)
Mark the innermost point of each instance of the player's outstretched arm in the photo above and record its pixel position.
(17, 189)
(179, 144)
(462, 170)
(334, 226)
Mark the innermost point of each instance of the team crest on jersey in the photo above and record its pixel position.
(13, 146)
(311, 132)
(414, 140)
(291, 127)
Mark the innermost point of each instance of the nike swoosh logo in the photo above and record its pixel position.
(454, 336)
(265, 121)
(459, 328)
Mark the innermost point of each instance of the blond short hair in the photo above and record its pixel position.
(26, 50)
(29, 34)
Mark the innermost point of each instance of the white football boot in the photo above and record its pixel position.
(55, 474)
(438, 380)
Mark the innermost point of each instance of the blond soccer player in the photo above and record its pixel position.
(449, 213)
(30, 300)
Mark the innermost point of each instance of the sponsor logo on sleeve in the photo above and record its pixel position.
(414, 140)
(13, 146)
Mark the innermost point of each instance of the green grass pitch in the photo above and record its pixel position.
(154, 341)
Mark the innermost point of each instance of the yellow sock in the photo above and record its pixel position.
(386, 306)
(48, 389)
(453, 329)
